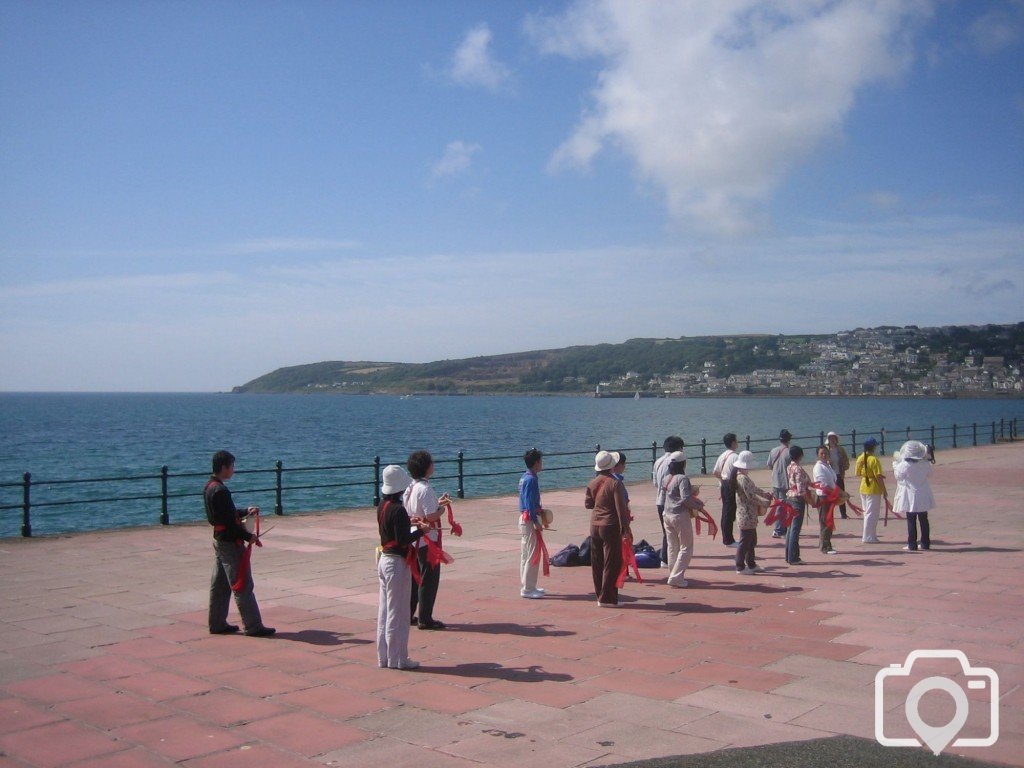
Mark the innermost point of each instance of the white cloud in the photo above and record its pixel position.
(474, 65)
(456, 160)
(715, 103)
(998, 29)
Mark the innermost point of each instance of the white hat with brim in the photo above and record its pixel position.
(914, 450)
(395, 479)
(547, 517)
(676, 456)
(605, 460)
(745, 460)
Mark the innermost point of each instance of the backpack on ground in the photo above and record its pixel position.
(568, 555)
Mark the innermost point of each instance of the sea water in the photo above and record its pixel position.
(332, 440)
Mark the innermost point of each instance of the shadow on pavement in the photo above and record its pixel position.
(508, 628)
(532, 674)
(322, 637)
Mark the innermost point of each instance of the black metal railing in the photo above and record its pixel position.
(484, 469)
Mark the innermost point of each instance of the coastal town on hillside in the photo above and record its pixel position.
(873, 361)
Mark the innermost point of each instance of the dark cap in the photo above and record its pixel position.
(870, 443)
(785, 434)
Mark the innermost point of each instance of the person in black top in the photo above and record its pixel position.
(397, 535)
(231, 571)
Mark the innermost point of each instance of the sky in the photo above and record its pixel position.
(194, 194)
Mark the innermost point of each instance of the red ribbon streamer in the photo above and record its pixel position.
(244, 565)
(628, 559)
(832, 498)
(542, 548)
(411, 558)
(781, 510)
(703, 515)
(456, 528)
(888, 509)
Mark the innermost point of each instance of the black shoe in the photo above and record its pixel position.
(433, 624)
(262, 632)
(227, 629)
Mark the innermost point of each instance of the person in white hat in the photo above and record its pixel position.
(840, 462)
(530, 525)
(397, 540)
(680, 501)
(609, 525)
(914, 492)
(751, 502)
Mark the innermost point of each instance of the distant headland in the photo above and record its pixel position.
(947, 361)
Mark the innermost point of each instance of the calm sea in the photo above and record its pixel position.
(59, 437)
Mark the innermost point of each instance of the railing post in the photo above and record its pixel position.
(165, 518)
(278, 505)
(974, 429)
(748, 442)
(703, 455)
(376, 481)
(932, 436)
(954, 436)
(853, 442)
(1002, 429)
(908, 433)
(993, 433)
(462, 488)
(26, 514)
(882, 434)
(821, 437)
(654, 452)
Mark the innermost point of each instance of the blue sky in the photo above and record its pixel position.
(194, 194)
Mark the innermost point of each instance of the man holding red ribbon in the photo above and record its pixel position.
(232, 546)
(533, 552)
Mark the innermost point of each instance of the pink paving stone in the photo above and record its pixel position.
(180, 738)
(227, 708)
(107, 668)
(130, 758)
(54, 688)
(252, 756)
(200, 664)
(111, 710)
(50, 746)
(146, 648)
(262, 681)
(439, 697)
(303, 733)
(161, 686)
(19, 715)
(288, 658)
(333, 701)
(360, 677)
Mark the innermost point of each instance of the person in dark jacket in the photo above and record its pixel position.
(232, 547)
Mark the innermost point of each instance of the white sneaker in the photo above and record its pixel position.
(908, 549)
(539, 589)
(531, 594)
(734, 545)
(872, 541)
(680, 584)
(747, 571)
(832, 552)
(759, 569)
(409, 664)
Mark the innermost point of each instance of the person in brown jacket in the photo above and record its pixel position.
(609, 525)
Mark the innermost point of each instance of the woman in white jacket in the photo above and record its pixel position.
(913, 492)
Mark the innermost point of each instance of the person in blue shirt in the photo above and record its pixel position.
(531, 522)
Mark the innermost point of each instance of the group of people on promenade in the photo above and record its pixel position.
(409, 517)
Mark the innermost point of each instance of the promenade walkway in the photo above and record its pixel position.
(105, 658)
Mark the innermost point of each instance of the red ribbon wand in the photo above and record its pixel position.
(832, 498)
(781, 510)
(888, 509)
(245, 564)
(703, 515)
(540, 555)
(628, 559)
